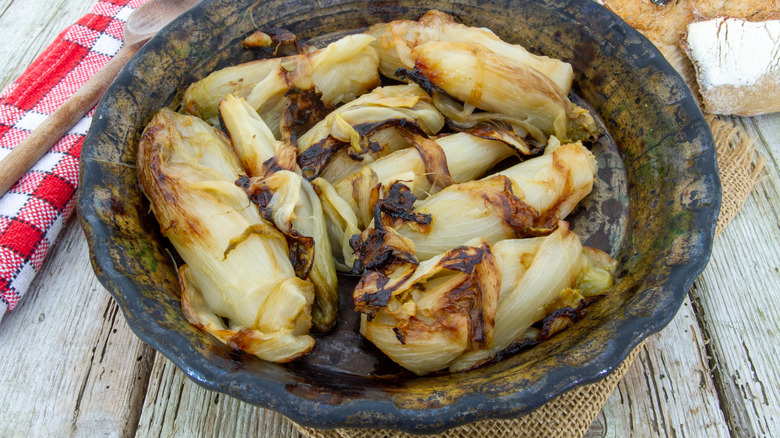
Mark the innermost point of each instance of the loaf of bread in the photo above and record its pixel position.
(666, 24)
(737, 64)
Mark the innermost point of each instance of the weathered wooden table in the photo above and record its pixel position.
(71, 366)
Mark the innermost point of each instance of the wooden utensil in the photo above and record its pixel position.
(141, 25)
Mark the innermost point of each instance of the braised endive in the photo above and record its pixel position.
(336, 74)
(364, 129)
(527, 199)
(461, 308)
(507, 91)
(291, 203)
(259, 152)
(237, 281)
(396, 39)
(428, 167)
(341, 222)
(466, 69)
(286, 199)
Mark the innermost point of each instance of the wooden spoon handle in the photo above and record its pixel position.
(35, 146)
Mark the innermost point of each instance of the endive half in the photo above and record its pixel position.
(428, 167)
(525, 200)
(336, 74)
(237, 281)
(461, 308)
(506, 90)
(286, 199)
(291, 203)
(364, 129)
(396, 39)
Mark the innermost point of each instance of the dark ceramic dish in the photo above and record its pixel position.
(654, 210)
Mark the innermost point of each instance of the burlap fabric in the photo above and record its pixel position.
(739, 167)
(571, 414)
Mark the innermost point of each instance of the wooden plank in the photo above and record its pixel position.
(29, 26)
(733, 302)
(669, 390)
(736, 300)
(177, 407)
(71, 366)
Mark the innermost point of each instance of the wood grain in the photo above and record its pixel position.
(737, 299)
(71, 366)
(172, 398)
(669, 390)
(29, 26)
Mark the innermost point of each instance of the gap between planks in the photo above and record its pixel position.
(736, 299)
(71, 365)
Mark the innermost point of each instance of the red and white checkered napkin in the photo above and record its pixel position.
(33, 211)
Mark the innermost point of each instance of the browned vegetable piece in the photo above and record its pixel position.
(461, 308)
(291, 203)
(336, 74)
(396, 40)
(506, 90)
(527, 199)
(364, 130)
(428, 167)
(287, 200)
(237, 281)
(483, 84)
(444, 309)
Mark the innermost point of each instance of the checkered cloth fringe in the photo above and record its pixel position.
(32, 213)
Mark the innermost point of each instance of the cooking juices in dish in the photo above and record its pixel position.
(280, 172)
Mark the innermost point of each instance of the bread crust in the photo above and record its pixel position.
(666, 27)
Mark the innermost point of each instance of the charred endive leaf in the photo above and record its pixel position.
(338, 73)
(462, 308)
(540, 276)
(382, 255)
(492, 129)
(443, 310)
(525, 200)
(507, 90)
(294, 207)
(396, 39)
(429, 167)
(238, 283)
(376, 144)
(353, 130)
(554, 183)
(276, 42)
